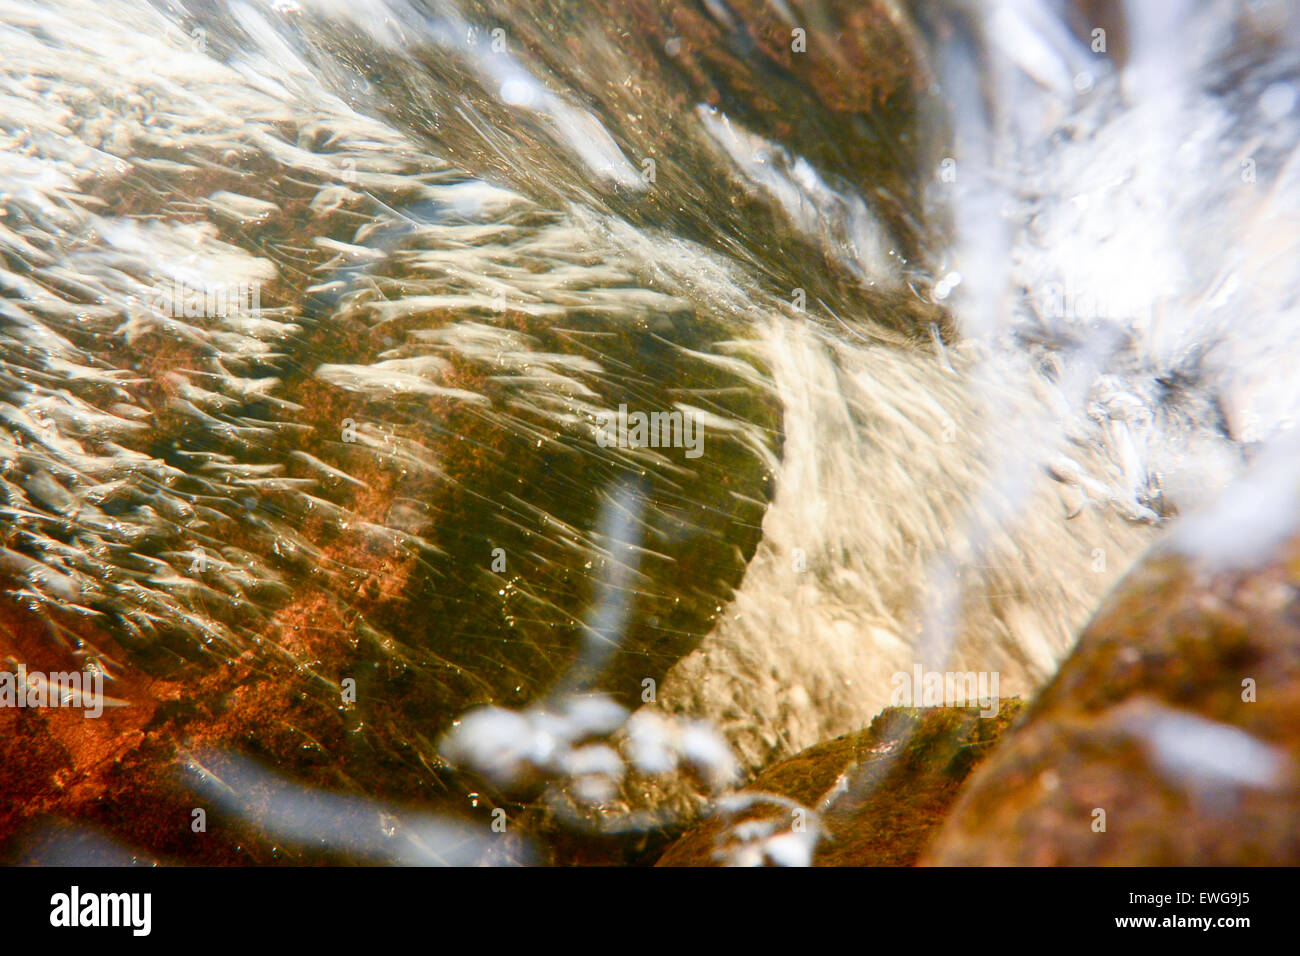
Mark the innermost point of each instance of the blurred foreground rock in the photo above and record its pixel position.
(879, 794)
(1175, 725)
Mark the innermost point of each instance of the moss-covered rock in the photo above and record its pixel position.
(878, 794)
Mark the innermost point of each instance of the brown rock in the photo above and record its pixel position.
(880, 793)
(1151, 721)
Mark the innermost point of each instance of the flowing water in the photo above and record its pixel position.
(965, 303)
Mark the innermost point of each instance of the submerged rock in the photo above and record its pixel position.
(1171, 736)
(876, 796)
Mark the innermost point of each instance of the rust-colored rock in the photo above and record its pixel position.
(1177, 717)
(880, 793)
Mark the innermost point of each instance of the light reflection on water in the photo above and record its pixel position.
(470, 246)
